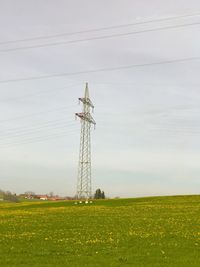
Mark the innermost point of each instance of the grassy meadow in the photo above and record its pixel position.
(157, 231)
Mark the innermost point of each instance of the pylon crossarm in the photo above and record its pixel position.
(86, 117)
(86, 101)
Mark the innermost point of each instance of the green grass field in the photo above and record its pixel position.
(159, 231)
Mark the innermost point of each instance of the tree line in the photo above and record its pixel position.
(12, 197)
(8, 196)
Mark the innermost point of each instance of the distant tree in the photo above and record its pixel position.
(1, 194)
(99, 194)
(51, 194)
(103, 195)
(29, 193)
(10, 197)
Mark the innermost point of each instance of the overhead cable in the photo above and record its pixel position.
(100, 29)
(108, 69)
(98, 37)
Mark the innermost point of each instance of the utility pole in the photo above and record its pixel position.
(84, 183)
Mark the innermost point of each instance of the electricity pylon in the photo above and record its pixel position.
(84, 183)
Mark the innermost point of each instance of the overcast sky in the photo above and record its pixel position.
(148, 123)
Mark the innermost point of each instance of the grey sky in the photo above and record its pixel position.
(146, 141)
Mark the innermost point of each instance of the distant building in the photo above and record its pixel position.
(42, 197)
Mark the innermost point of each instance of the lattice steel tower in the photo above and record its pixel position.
(84, 183)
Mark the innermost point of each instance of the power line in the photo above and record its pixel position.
(48, 137)
(63, 134)
(49, 122)
(34, 114)
(47, 90)
(98, 37)
(34, 139)
(39, 139)
(34, 134)
(180, 60)
(30, 130)
(99, 29)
